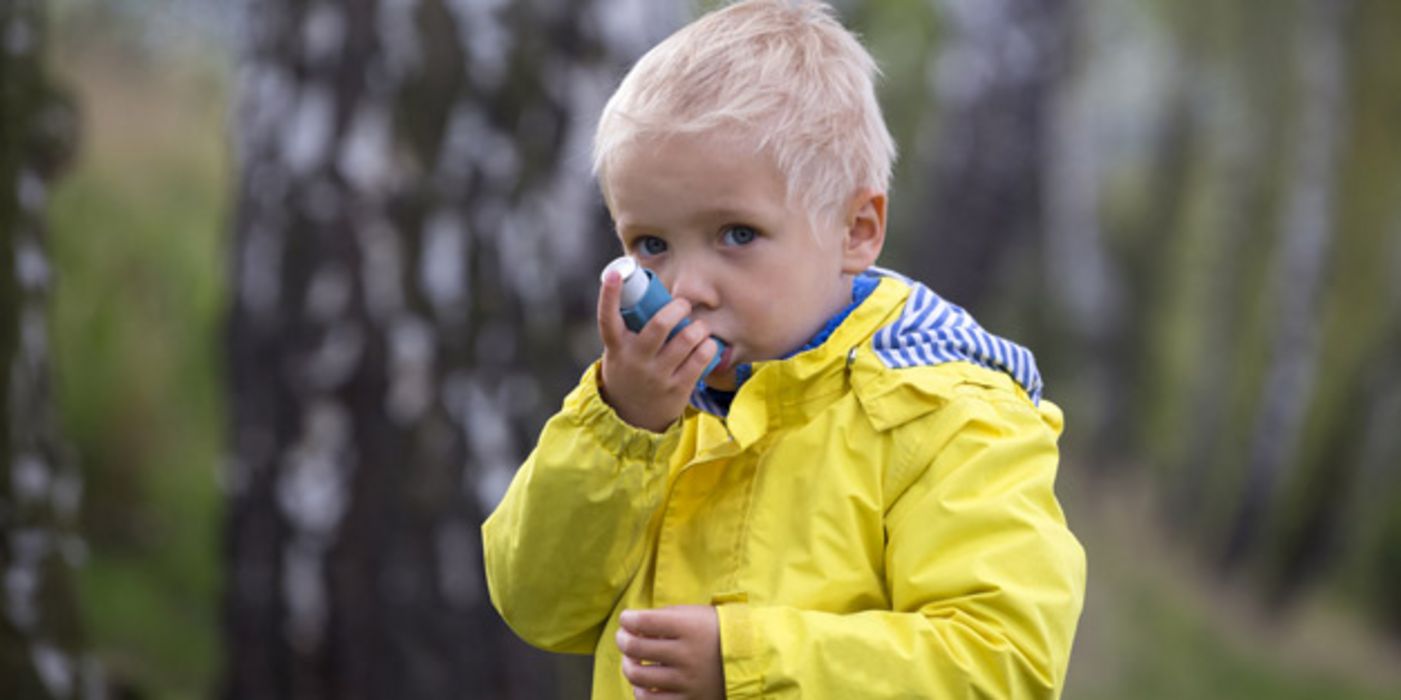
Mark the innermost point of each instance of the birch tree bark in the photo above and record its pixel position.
(41, 644)
(415, 258)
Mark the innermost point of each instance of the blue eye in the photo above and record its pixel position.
(740, 235)
(651, 245)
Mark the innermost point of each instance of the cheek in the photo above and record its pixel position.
(787, 316)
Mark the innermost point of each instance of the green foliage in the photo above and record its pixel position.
(137, 246)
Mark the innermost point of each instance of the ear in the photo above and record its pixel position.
(865, 231)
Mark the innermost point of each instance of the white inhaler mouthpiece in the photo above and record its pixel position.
(633, 276)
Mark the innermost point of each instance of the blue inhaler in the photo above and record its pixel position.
(643, 295)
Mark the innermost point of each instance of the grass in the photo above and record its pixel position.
(1157, 626)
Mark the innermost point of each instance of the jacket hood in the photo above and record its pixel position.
(931, 331)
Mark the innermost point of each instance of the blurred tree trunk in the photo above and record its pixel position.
(1082, 299)
(1339, 509)
(1368, 520)
(997, 64)
(1236, 185)
(1308, 226)
(40, 630)
(415, 255)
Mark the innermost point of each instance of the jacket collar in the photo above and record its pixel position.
(792, 390)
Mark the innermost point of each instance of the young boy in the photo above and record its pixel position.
(858, 501)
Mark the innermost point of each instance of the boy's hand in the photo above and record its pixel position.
(648, 379)
(672, 652)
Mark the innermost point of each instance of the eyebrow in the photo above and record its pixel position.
(727, 214)
(633, 229)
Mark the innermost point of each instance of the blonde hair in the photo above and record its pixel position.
(784, 76)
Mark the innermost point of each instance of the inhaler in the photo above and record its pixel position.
(643, 295)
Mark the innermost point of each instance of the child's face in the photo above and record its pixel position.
(713, 220)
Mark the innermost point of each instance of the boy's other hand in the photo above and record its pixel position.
(672, 652)
(648, 379)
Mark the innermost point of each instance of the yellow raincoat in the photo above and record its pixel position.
(865, 532)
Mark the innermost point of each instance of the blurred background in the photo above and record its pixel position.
(287, 288)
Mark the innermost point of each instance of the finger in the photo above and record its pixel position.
(610, 318)
(656, 624)
(690, 370)
(667, 652)
(654, 335)
(686, 341)
(651, 677)
(655, 694)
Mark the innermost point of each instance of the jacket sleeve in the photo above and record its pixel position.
(985, 580)
(569, 534)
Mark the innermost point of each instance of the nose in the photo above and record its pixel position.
(690, 281)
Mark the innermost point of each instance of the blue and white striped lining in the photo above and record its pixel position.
(705, 401)
(932, 331)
